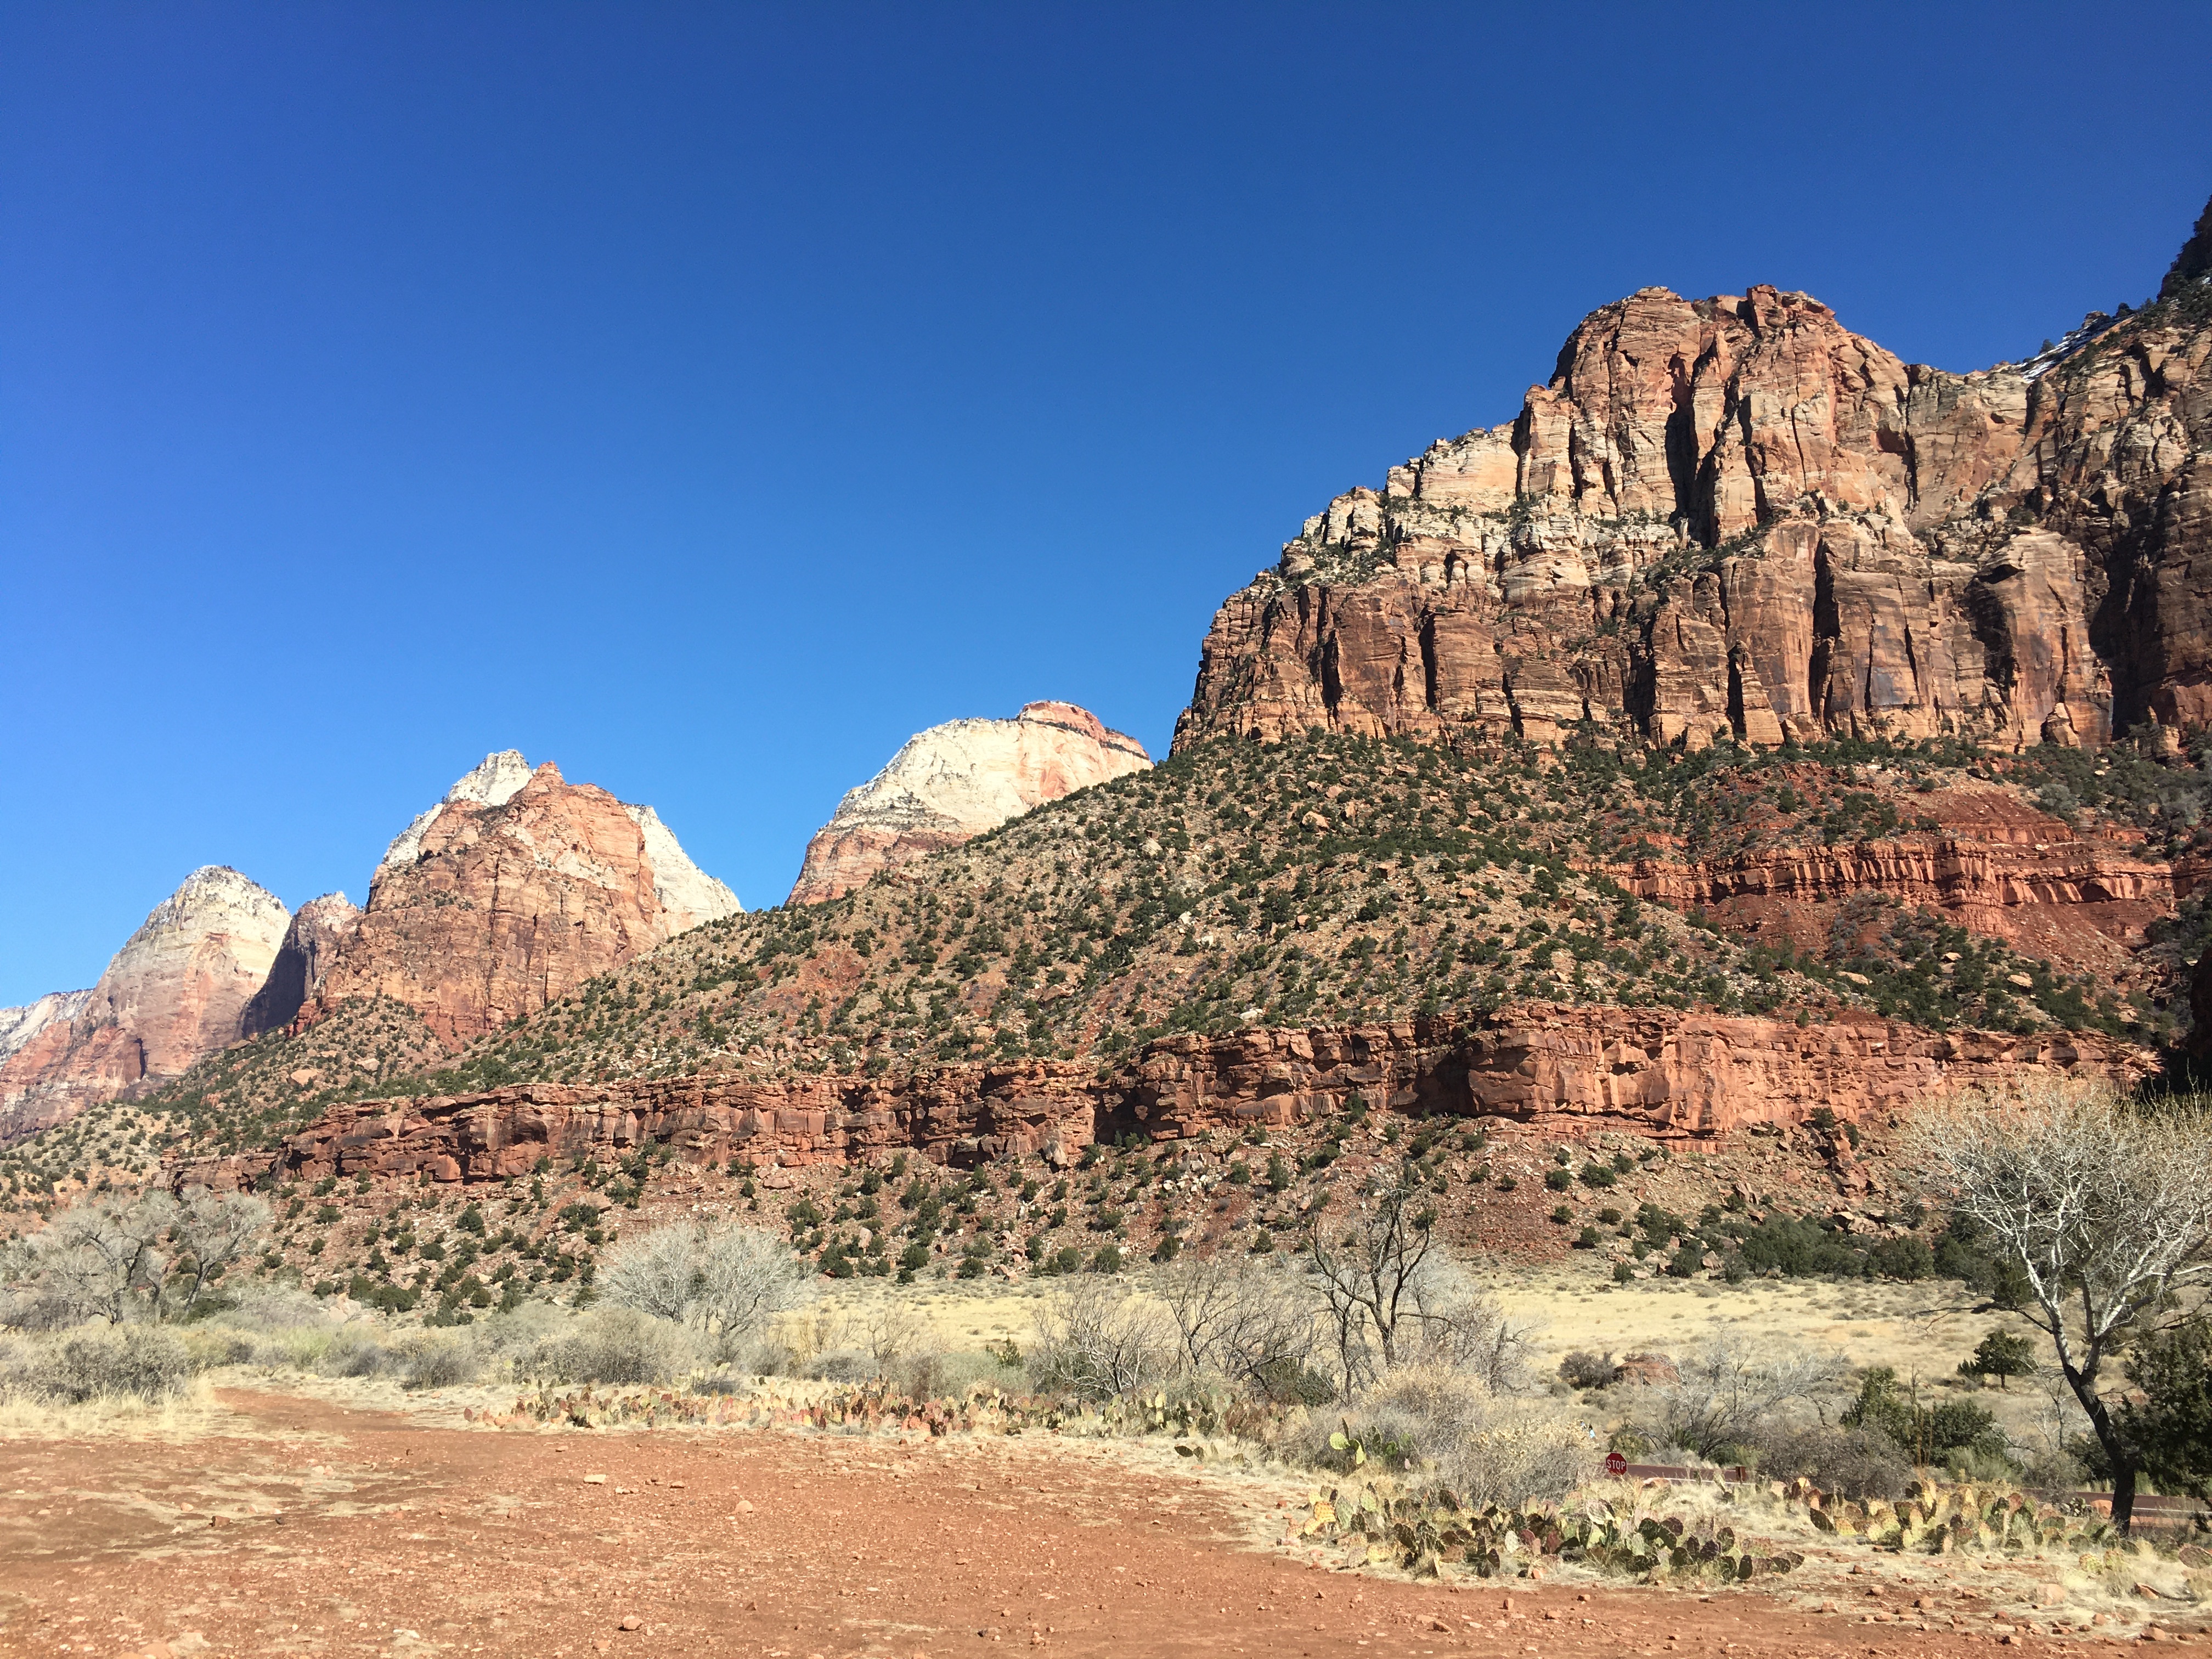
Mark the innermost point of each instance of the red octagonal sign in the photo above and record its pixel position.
(1615, 1463)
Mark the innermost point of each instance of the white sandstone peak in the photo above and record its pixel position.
(958, 779)
(970, 775)
(180, 983)
(213, 897)
(686, 892)
(492, 781)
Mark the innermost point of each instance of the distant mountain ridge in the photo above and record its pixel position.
(570, 884)
(956, 781)
(1748, 674)
(507, 896)
(176, 991)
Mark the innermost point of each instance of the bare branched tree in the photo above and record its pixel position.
(210, 1230)
(2103, 1203)
(1456, 1325)
(97, 1261)
(1391, 1294)
(1726, 1390)
(1099, 1341)
(1243, 1318)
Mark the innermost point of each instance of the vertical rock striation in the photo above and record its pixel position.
(318, 927)
(956, 780)
(1734, 515)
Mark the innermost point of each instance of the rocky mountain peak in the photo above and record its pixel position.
(311, 942)
(176, 992)
(687, 893)
(2193, 265)
(492, 781)
(511, 892)
(956, 780)
(214, 896)
(1733, 516)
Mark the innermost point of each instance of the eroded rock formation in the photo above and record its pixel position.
(1659, 1073)
(176, 991)
(492, 781)
(317, 928)
(502, 899)
(1734, 515)
(953, 782)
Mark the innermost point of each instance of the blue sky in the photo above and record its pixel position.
(707, 398)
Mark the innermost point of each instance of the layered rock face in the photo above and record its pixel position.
(177, 990)
(500, 900)
(1658, 1073)
(311, 942)
(953, 782)
(19, 1026)
(1732, 515)
(2083, 898)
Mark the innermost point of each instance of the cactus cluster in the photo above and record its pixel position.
(1935, 1520)
(1424, 1531)
(870, 1407)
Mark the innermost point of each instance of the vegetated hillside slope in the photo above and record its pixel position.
(1326, 879)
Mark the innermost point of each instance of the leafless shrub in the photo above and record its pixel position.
(1454, 1323)
(843, 1365)
(210, 1232)
(111, 1259)
(1250, 1322)
(891, 1332)
(1097, 1341)
(101, 1259)
(1390, 1295)
(2104, 1204)
(1729, 1393)
(210, 1345)
(355, 1351)
(99, 1361)
(1486, 1447)
(613, 1344)
(440, 1359)
(274, 1308)
(721, 1277)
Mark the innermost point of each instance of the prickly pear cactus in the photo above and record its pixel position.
(1936, 1520)
(1423, 1532)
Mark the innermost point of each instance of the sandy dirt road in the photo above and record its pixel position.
(305, 1528)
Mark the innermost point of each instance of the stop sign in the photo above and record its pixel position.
(1615, 1463)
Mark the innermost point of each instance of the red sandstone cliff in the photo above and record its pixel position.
(1991, 863)
(1649, 1070)
(1735, 513)
(317, 928)
(954, 782)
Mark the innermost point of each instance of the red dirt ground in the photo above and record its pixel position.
(316, 1530)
